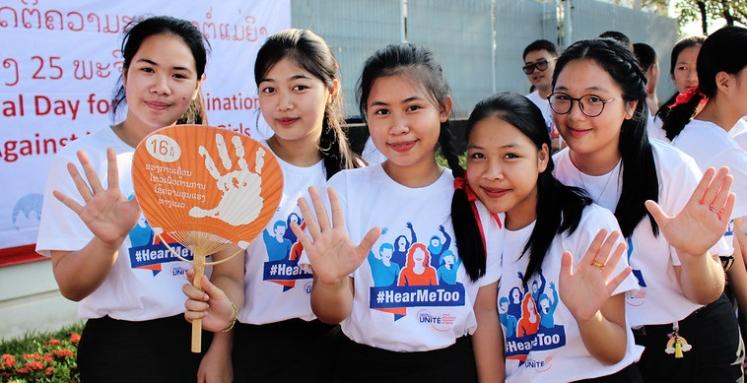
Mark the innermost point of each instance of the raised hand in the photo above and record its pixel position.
(333, 257)
(585, 288)
(234, 184)
(210, 304)
(705, 217)
(107, 213)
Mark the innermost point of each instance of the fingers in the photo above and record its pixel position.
(605, 250)
(81, 185)
(728, 208)
(112, 173)
(617, 280)
(311, 224)
(368, 240)
(700, 190)
(93, 178)
(338, 216)
(301, 235)
(612, 261)
(67, 201)
(321, 211)
(717, 204)
(596, 244)
(654, 209)
(566, 264)
(716, 186)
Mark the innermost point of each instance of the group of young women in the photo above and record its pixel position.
(595, 264)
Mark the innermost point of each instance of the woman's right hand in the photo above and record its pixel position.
(333, 257)
(210, 304)
(107, 213)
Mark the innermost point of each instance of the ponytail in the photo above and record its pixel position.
(682, 111)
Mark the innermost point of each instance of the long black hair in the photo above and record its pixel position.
(687, 42)
(559, 207)
(138, 31)
(312, 53)
(723, 51)
(419, 64)
(640, 180)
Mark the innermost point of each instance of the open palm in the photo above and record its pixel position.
(331, 253)
(107, 213)
(585, 288)
(705, 217)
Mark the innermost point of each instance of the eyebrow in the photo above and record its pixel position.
(298, 76)
(405, 101)
(511, 145)
(603, 89)
(151, 62)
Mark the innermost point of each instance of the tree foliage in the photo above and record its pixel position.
(706, 11)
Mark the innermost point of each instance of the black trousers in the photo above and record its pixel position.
(158, 350)
(290, 351)
(361, 363)
(628, 374)
(717, 349)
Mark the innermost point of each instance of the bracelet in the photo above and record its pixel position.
(234, 318)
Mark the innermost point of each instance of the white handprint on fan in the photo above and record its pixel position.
(241, 201)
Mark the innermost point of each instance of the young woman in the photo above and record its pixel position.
(132, 307)
(277, 337)
(572, 326)
(411, 331)
(707, 135)
(599, 107)
(682, 69)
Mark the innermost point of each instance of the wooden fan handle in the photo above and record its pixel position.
(199, 267)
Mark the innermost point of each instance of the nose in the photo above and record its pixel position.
(494, 170)
(161, 84)
(400, 125)
(692, 78)
(575, 113)
(286, 101)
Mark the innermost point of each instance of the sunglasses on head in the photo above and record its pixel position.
(539, 65)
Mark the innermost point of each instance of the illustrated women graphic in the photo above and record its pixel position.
(418, 270)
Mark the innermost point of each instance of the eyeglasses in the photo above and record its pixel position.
(589, 104)
(539, 65)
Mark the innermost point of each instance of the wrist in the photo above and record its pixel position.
(582, 321)
(331, 284)
(233, 319)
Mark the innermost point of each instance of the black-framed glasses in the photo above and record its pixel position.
(539, 65)
(590, 105)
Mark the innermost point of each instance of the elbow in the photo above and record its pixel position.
(324, 315)
(72, 294)
(615, 357)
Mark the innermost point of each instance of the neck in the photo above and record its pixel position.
(131, 132)
(720, 114)
(596, 163)
(544, 91)
(523, 213)
(418, 175)
(302, 152)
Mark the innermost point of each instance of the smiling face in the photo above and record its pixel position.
(160, 82)
(293, 101)
(404, 121)
(592, 135)
(685, 70)
(503, 165)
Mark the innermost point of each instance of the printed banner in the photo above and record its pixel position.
(58, 70)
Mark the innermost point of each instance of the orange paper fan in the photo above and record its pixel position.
(206, 187)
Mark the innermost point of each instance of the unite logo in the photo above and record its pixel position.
(439, 322)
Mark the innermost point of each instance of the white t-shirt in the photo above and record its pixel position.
(544, 106)
(276, 287)
(542, 340)
(654, 128)
(660, 299)
(371, 155)
(712, 146)
(739, 128)
(404, 302)
(146, 279)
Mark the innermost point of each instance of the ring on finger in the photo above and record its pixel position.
(597, 263)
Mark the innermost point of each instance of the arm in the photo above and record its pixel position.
(487, 341)
(333, 257)
(447, 239)
(108, 215)
(694, 230)
(228, 276)
(414, 237)
(586, 291)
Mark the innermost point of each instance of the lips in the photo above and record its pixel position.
(494, 192)
(157, 105)
(287, 121)
(402, 147)
(578, 132)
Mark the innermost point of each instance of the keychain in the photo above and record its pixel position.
(677, 344)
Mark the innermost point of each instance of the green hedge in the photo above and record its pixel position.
(41, 357)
